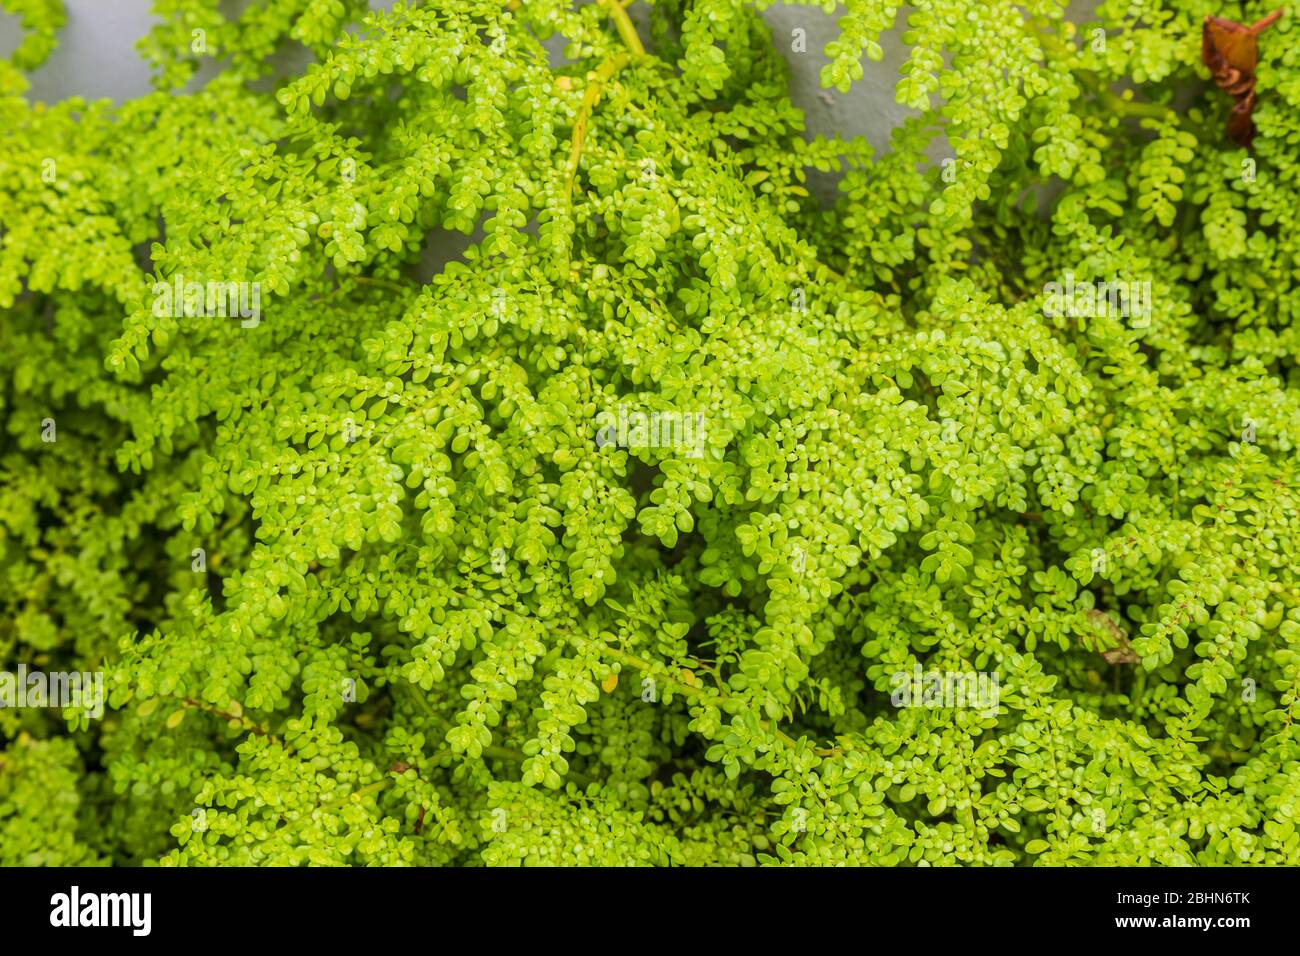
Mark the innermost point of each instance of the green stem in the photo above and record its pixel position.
(623, 24)
(604, 73)
(1094, 83)
(1120, 105)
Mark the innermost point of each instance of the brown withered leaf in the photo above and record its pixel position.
(1229, 49)
(1123, 652)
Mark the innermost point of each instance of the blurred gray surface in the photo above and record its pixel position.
(96, 57)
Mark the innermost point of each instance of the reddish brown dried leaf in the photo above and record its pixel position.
(1230, 51)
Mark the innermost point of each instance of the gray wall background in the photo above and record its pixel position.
(96, 57)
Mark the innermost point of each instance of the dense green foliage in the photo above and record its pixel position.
(368, 589)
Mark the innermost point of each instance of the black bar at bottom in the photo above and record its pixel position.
(341, 906)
